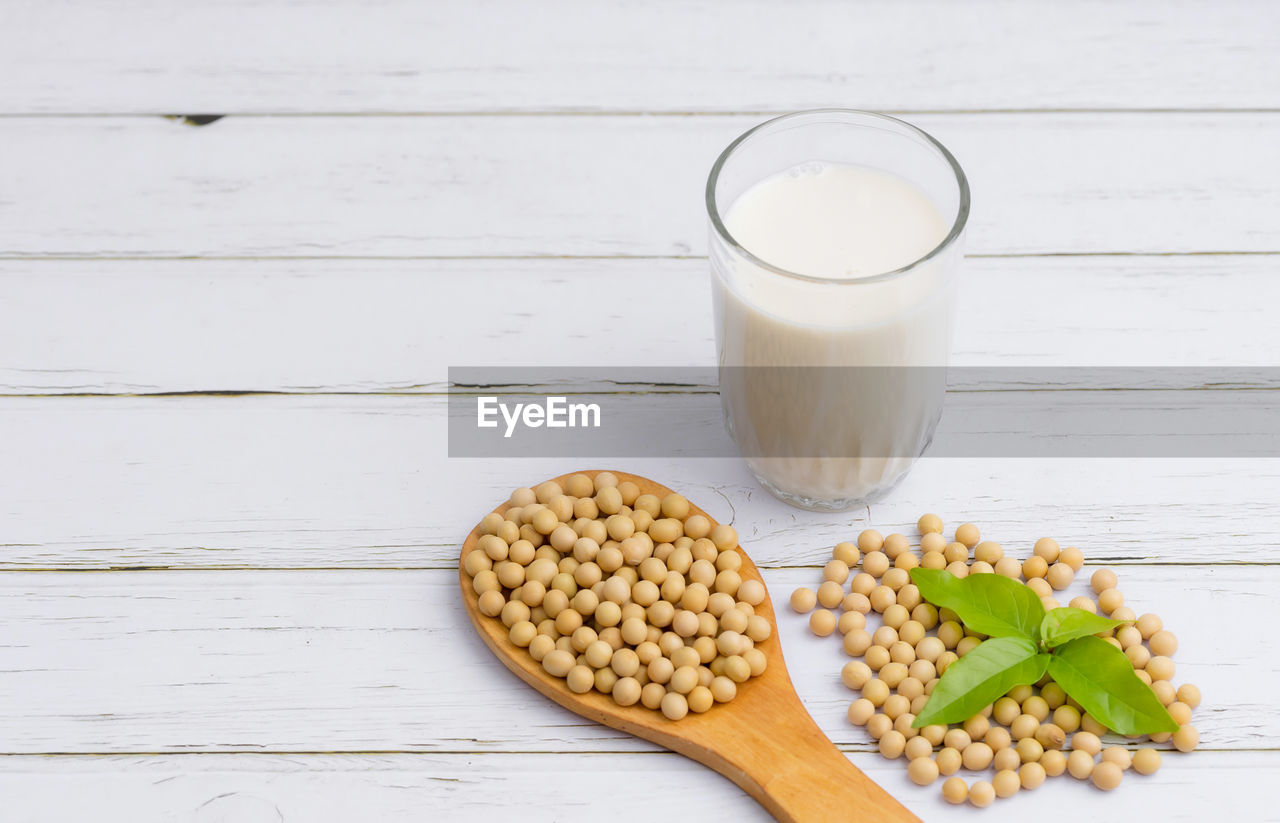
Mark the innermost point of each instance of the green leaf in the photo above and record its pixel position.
(982, 676)
(1101, 679)
(987, 603)
(1068, 623)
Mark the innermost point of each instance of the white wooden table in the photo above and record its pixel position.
(228, 523)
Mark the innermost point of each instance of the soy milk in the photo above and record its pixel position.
(826, 417)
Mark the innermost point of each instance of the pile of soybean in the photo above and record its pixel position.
(629, 594)
(1031, 733)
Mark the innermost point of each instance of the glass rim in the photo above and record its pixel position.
(957, 227)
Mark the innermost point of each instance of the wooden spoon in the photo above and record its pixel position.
(763, 740)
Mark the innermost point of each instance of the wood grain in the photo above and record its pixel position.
(350, 482)
(272, 668)
(315, 326)
(533, 185)
(382, 661)
(617, 56)
(764, 740)
(336, 788)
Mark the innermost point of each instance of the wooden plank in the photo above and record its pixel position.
(375, 326)
(467, 186)
(475, 787)
(372, 661)
(618, 56)
(357, 482)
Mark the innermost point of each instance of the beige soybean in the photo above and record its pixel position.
(1066, 718)
(1164, 692)
(1054, 762)
(896, 579)
(837, 571)
(1006, 783)
(1107, 775)
(1146, 761)
(882, 597)
(1031, 775)
(1186, 738)
(803, 600)
(876, 691)
(855, 674)
(998, 737)
(855, 602)
(977, 756)
(895, 545)
(1050, 736)
(968, 535)
(1039, 585)
(1089, 724)
(934, 733)
(1085, 603)
(875, 563)
(917, 745)
(1024, 726)
(982, 794)
(850, 621)
(922, 771)
(1102, 580)
(1086, 742)
(929, 523)
(870, 540)
(1109, 600)
(858, 642)
(1118, 755)
(846, 553)
(861, 711)
(949, 760)
(934, 560)
(1034, 567)
(1060, 576)
(1008, 567)
(1080, 764)
(878, 726)
(988, 552)
(1021, 735)
(822, 623)
(589, 587)
(955, 790)
(1163, 643)
(697, 527)
(674, 706)
(1160, 668)
(1029, 750)
(830, 594)
(1047, 548)
(862, 583)
(1006, 759)
(752, 591)
(1180, 712)
(1149, 624)
(895, 706)
(955, 552)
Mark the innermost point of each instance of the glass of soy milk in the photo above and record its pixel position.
(835, 238)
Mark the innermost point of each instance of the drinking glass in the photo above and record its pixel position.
(832, 387)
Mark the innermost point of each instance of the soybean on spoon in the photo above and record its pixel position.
(763, 740)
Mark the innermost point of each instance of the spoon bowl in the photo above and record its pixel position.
(763, 740)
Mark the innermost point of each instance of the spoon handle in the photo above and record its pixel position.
(783, 760)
